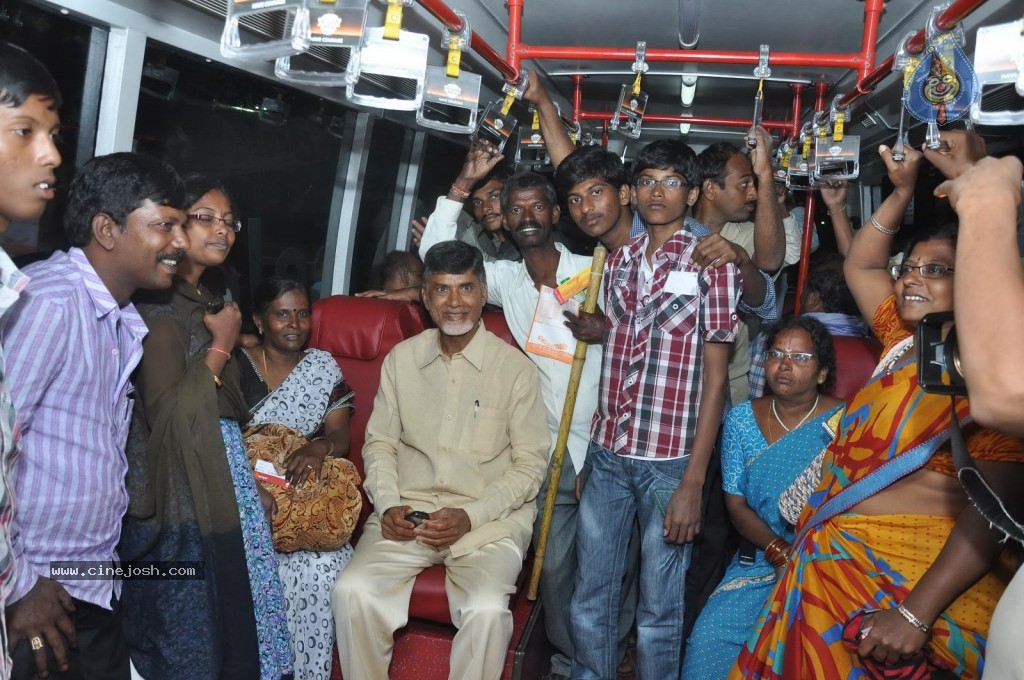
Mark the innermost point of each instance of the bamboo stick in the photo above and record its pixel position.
(579, 356)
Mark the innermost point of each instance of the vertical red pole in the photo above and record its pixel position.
(820, 90)
(577, 97)
(872, 15)
(515, 32)
(798, 101)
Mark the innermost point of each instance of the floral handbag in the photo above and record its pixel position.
(319, 514)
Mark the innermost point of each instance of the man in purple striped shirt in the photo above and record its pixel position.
(72, 344)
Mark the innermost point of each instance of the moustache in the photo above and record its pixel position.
(177, 255)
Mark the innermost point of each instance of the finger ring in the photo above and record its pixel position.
(37, 643)
(864, 632)
(310, 467)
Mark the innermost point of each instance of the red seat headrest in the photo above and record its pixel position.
(363, 328)
(856, 358)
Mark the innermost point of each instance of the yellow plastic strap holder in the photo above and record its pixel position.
(514, 91)
(393, 19)
(640, 66)
(456, 42)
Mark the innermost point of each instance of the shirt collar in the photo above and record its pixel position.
(98, 292)
(473, 353)
(671, 250)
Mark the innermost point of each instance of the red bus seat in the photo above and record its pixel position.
(856, 358)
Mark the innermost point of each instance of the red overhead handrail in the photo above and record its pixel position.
(452, 21)
(863, 60)
(947, 20)
(695, 120)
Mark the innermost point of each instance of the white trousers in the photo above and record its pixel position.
(371, 601)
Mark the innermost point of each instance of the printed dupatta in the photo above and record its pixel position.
(889, 429)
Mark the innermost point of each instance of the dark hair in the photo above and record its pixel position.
(589, 162)
(500, 173)
(829, 284)
(526, 181)
(117, 185)
(820, 338)
(197, 186)
(22, 75)
(398, 264)
(713, 161)
(944, 232)
(668, 154)
(453, 257)
(271, 289)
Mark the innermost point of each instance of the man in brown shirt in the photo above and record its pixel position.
(457, 432)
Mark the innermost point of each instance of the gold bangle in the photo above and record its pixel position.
(840, 211)
(216, 380)
(913, 620)
(329, 442)
(879, 227)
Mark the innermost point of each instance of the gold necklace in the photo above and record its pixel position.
(266, 373)
(802, 420)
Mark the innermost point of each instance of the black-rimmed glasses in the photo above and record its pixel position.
(209, 220)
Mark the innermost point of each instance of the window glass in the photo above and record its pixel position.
(276, 150)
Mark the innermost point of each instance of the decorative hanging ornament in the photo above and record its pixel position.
(943, 86)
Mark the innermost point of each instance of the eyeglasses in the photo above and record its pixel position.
(210, 220)
(669, 184)
(799, 358)
(928, 271)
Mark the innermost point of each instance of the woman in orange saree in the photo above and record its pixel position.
(892, 572)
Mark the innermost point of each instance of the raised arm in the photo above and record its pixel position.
(481, 158)
(867, 263)
(556, 139)
(834, 195)
(988, 268)
(769, 235)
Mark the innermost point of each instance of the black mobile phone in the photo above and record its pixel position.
(748, 551)
(215, 305)
(416, 517)
(938, 357)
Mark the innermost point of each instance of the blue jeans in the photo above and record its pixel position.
(615, 491)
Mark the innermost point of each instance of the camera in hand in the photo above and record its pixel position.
(417, 517)
(938, 357)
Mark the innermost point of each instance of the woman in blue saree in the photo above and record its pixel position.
(766, 443)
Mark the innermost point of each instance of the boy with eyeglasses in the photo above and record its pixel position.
(670, 323)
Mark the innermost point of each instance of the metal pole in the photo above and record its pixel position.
(820, 90)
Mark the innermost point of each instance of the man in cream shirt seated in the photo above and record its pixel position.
(452, 437)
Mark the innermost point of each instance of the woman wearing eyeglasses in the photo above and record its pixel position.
(193, 498)
(766, 443)
(892, 571)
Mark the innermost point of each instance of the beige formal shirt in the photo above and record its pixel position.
(462, 432)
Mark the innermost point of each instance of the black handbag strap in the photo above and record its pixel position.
(977, 487)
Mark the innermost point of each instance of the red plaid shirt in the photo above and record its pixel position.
(651, 374)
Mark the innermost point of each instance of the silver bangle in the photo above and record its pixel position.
(838, 211)
(913, 620)
(879, 227)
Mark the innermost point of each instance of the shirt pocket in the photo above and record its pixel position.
(677, 314)
(488, 433)
(621, 299)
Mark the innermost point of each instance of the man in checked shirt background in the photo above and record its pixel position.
(664, 377)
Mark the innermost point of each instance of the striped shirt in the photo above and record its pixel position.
(651, 373)
(70, 353)
(12, 282)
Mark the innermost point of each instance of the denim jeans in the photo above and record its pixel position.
(615, 491)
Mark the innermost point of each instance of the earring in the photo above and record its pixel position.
(259, 329)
